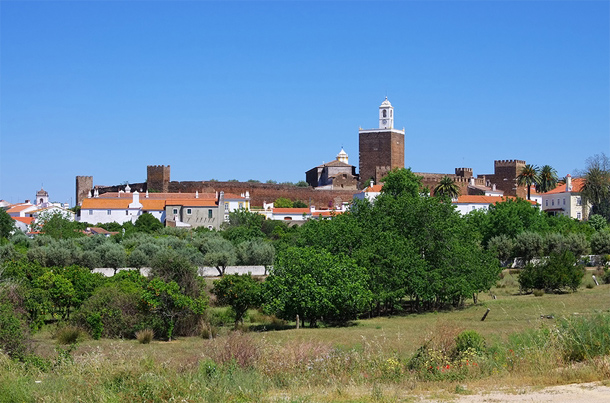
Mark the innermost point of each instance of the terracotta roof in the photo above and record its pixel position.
(16, 208)
(97, 204)
(577, 184)
(374, 188)
(25, 220)
(334, 163)
(233, 196)
(192, 202)
(486, 199)
(290, 210)
(326, 213)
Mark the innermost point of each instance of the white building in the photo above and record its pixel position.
(565, 199)
(121, 209)
(467, 203)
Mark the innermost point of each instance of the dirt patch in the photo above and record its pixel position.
(575, 393)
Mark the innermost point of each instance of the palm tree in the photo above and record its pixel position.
(447, 187)
(548, 179)
(527, 177)
(596, 187)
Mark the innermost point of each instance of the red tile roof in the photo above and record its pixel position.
(192, 202)
(290, 210)
(16, 208)
(25, 220)
(486, 199)
(374, 188)
(577, 184)
(97, 204)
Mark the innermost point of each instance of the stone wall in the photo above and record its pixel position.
(505, 173)
(157, 178)
(380, 152)
(84, 184)
(266, 192)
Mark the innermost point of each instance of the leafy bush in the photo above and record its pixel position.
(145, 336)
(528, 245)
(13, 332)
(240, 292)
(577, 244)
(501, 246)
(600, 243)
(138, 259)
(557, 272)
(69, 334)
(469, 339)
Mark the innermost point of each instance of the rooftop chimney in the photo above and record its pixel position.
(568, 183)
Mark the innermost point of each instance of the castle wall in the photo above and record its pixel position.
(84, 184)
(505, 173)
(157, 178)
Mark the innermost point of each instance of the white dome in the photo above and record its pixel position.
(385, 103)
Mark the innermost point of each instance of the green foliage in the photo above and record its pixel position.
(302, 184)
(138, 258)
(58, 225)
(243, 225)
(529, 176)
(7, 224)
(315, 284)
(170, 265)
(596, 189)
(598, 222)
(282, 202)
(219, 253)
(469, 340)
(556, 273)
(501, 246)
(528, 245)
(60, 291)
(69, 334)
(402, 181)
(255, 252)
(511, 218)
(600, 243)
(147, 223)
(577, 244)
(167, 300)
(13, 332)
(584, 338)
(112, 255)
(299, 204)
(94, 320)
(547, 179)
(447, 188)
(240, 292)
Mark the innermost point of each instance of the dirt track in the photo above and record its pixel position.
(575, 393)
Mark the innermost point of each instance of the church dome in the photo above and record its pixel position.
(342, 156)
(386, 103)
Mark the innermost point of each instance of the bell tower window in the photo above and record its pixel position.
(385, 113)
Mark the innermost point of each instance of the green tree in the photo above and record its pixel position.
(282, 202)
(558, 272)
(596, 187)
(302, 184)
(528, 176)
(60, 290)
(548, 179)
(220, 253)
(315, 284)
(240, 292)
(447, 188)
(57, 225)
(172, 265)
(255, 252)
(7, 224)
(401, 180)
(112, 255)
(299, 204)
(147, 223)
(167, 300)
(600, 243)
(529, 245)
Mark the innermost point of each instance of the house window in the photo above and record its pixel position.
(241, 205)
(210, 213)
(385, 113)
(564, 201)
(578, 216)
(126, 212)
(175, 211)
(578, 201)
(109, 212)
(189, 211)
(226, 206)
(553, 202)
(90, 212)
(547, 203)
(287, 218)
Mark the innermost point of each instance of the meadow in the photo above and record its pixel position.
(525, 341)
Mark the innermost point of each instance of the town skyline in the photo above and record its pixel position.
(270, 90)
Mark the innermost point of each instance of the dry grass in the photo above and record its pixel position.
(364, 362)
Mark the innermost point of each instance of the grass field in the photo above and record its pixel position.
(365, 361)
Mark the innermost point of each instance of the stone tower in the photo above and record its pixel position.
(84, 184)
(382, 149)
(157, 178)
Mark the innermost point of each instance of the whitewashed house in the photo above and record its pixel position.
(565, 199)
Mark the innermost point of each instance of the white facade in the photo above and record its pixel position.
(565, 199)
(105, 215)
(386, 115)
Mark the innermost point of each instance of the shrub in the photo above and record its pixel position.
(69, 334)
(577, 244)
(585, 337)
(501, 246)
(538, 293)
(138, 259)
(13, 332)
(469, 339)
(557, 272)
(8, 253)
(145, 336)
(554, 242)
(528, 245)
(94, 320)
(600, 243)
(90, 259)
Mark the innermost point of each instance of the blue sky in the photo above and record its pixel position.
(268, 90)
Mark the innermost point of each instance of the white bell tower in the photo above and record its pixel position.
(386, 115)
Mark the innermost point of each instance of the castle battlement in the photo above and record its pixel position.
(508, 163)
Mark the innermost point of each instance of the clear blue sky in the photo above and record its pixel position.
(268, 90)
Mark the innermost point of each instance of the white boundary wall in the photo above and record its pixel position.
(202, 271)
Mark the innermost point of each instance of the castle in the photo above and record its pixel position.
(332, 184)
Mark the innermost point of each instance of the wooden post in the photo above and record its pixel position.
(297, 322)
(486, 313)
(594, 279)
